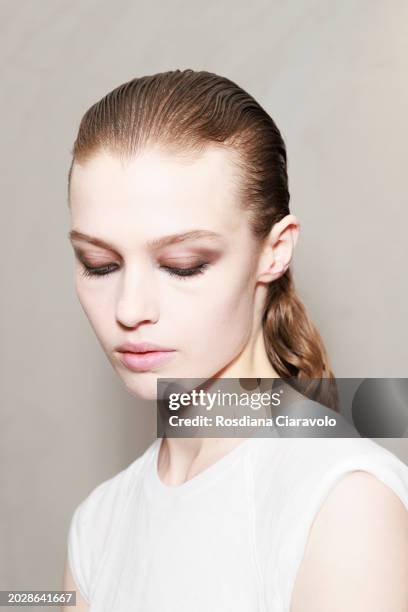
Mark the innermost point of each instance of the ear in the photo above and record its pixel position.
(278, 250)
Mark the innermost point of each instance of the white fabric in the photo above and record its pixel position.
(229, 539)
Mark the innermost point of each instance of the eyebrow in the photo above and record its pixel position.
(156, 243)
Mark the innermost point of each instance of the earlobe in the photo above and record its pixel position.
(278, 267)
(274, 271)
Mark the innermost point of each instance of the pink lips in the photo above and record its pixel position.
(143, 356)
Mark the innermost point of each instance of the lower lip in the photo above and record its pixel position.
(142, 362)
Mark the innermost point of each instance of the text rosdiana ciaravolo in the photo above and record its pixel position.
(249, 421)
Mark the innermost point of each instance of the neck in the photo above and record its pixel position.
(180, 459)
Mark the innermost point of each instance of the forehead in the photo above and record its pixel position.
(156, 193)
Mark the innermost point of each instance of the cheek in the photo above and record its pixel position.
(230, 303)
(220, 321)
(95, 302)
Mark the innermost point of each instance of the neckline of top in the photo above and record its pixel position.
(205, 476)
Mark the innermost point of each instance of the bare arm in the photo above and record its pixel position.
(356, 558)
(69, 585)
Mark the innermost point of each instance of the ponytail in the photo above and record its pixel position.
(294, 346)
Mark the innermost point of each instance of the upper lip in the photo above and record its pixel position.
(140, 347)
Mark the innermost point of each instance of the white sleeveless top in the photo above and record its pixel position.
(231, 538)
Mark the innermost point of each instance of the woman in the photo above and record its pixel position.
(183, 241)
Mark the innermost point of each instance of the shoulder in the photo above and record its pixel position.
(109, 494)
(95, 518)
(357, 550)
(298, 472)
(301, 461)
(356, 474)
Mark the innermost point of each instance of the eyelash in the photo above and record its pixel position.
(181, 273)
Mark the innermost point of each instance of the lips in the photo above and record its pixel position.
(140, 347)
(143, 356)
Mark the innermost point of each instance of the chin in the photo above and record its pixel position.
(143, 386)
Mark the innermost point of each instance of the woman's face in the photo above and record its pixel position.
(174, 264)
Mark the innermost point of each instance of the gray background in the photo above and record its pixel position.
(332, 74)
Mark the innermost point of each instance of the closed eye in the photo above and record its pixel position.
(184, 272)
(181, 273)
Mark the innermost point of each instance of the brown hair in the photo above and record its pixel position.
(187, 111)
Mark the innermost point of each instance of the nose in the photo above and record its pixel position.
(137, 300)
